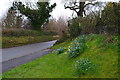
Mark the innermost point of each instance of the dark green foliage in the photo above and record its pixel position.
(60, 50)
(75, 51)
(81, 39)
(84, 67)
(37, 16)
(111, 18)
(77, 47)
(106, 21)
(74, 27)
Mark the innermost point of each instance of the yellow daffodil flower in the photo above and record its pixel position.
(65, 53)
(68, 49)
(68, 46)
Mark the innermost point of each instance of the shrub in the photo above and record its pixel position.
(84, 67)
(80, 39)
(58, 26)
(74, 27)
(77, 47)
(18, 33)
(75, 50)
(111, 18)
(88, 24)
(61, 50)
(115, 39)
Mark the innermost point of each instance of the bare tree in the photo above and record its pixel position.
(59, 26)
(78, 6)
(13, 19)
(9, 21)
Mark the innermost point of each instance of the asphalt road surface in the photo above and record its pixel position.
(13, 57)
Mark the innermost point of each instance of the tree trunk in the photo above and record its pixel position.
(81, 9)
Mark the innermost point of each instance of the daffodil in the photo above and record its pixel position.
(65, 53)
(68, 49)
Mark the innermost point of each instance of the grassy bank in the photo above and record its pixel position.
(101, 51)
(8, 42)
(12, 38)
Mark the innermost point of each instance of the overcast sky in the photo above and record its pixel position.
(57, 12)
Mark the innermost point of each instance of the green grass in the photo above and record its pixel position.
(23, 40)
(105, 56)
(49, 66)
(13, 38)
(63, 44)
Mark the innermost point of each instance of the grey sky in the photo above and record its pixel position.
(57, 12)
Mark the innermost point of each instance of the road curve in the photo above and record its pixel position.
(13, 57)
(16, 52)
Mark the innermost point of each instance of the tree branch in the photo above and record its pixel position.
(71, 8)
(89, 4)
(84, 13)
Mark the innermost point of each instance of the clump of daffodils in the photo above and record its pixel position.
(85, 66)
(61, 50)
(78, 46)
(75, 48)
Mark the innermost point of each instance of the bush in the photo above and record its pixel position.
(61, 50)
(75, 50)
(18, 33)
(84, 67)
(74, 27)
(80, 39)
(111, 18)
(88, 24)
(77, 47)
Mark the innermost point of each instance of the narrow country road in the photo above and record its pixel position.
(16, 52)
(12, 57)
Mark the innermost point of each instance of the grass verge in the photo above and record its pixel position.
(13, 38)
(8, 42)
